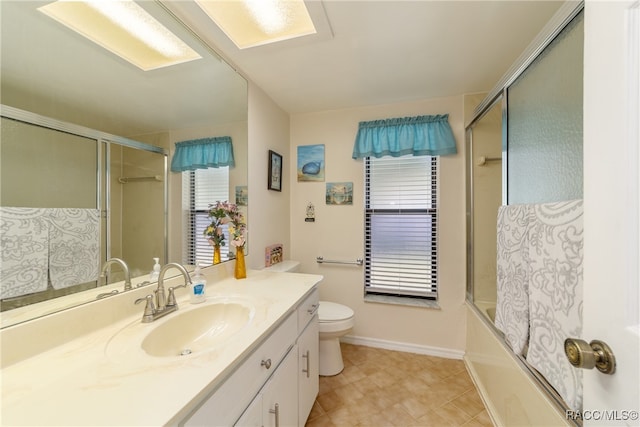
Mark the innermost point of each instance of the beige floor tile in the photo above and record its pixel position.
(380, 388)
(469, 402)
(452, 414)
(322, 421)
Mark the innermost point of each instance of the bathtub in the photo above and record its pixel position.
(511, 392)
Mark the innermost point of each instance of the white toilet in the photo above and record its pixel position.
(335, 321)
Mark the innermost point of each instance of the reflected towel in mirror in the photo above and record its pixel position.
(24, 253)
(74, 246)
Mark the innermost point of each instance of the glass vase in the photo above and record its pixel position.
(216, 255)
(241, 269)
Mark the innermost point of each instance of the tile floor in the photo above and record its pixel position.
(390, 388)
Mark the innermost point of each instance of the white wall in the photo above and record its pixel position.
(268, 210)
(338, 230)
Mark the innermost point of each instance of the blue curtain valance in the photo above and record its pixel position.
(417, 136)
(202, 154)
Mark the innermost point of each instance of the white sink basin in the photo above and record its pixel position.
(193, 329)
(196, 330)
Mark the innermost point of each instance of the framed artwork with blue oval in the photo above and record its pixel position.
(311, 163)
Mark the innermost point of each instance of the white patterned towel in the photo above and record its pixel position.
(555, 294)
(74, 246)
(23, 255)
(512, 308)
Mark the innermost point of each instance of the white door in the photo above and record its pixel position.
(611, 193)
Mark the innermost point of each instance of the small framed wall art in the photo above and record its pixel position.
(339, 193)
(275, 171)
(311, 163)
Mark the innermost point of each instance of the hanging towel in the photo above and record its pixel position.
(74, 246)
(555, 294)
(512, 308)
(23, 251)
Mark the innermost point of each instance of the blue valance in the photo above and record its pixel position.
(202, 154)
(417, 136)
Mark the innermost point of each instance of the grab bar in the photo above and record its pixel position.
(321, 260)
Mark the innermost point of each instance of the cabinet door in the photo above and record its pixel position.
(252, 416)
(308, 366)
(280, 394)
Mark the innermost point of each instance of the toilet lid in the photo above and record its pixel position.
(331, 312)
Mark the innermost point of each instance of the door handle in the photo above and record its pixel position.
(276, 412)
(308, 370)
(587, 356)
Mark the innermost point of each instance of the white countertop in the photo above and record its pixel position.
(87, 382)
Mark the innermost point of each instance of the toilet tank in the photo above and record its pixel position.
(287, 266)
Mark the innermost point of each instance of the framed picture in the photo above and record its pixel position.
(242, 195)
(339, 193)
(275, 171)
(311, 162)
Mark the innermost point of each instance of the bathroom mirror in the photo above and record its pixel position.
(52, 72)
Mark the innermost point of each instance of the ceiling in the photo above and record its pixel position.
(377, 52)
(366, 52)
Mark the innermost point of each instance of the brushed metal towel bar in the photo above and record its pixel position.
(482, 160)
(321, 260)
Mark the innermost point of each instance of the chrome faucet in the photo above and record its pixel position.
(125, 268)
(163, 304)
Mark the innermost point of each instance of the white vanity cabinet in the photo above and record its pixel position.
(282, 371)
(277, 403)
(308, 352)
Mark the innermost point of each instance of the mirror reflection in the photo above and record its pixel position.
(92, 137)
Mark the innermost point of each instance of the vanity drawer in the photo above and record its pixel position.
(229, 401)
(307, 309)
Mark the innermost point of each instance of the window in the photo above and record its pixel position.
(200, 188)
(401, 226)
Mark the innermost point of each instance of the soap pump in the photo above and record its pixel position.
(197, 287)
(155, 273)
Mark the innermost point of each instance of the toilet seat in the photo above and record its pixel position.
(333, 312)
(333, 317)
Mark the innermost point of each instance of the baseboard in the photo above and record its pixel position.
(405, 347)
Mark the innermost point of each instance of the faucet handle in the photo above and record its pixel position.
(149, 308)
(171, 299)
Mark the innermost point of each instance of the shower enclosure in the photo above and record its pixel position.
(523, 145)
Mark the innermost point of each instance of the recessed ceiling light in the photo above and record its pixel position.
(124, 28)
(250, 23)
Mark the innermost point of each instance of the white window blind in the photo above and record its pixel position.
(401, 226)
(200, 188)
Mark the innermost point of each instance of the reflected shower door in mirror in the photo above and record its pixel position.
(137, 207)
(484, 145)
(70, 199)
(49, 201)
(57, 74)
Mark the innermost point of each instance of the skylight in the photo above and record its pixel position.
(250, 23)
(125, 29)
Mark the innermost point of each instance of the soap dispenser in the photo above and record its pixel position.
(155, 272)
(197, 287)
